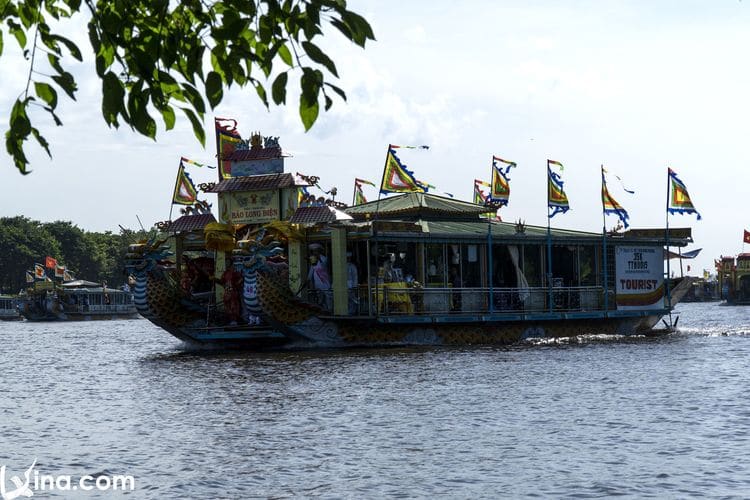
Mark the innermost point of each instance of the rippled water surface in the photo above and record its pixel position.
(640, 417)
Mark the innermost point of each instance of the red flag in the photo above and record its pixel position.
(746, 239)
(50, 262)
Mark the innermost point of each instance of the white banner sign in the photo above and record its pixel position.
(639, 276)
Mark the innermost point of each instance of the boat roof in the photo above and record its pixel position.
(418, 215)
(318, 214)
(255, 154)
(417, 204)
(191, 223)
(80, 283)
(256, 183)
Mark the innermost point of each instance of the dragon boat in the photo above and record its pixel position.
(282, 270)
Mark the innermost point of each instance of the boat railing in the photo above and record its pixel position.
(399, 299)
(405, 301)
(95, 308)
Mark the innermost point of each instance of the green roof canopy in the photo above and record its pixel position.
(417, 204)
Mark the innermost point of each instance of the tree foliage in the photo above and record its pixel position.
(90, 255)
(158, 58)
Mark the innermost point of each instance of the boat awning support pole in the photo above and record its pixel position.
(549, 265)
(604, 250)
(666, 239)
(489, 264)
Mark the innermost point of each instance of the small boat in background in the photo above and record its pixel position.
(8, 309)
(77, 300)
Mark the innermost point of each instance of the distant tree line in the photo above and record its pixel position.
(89, 255)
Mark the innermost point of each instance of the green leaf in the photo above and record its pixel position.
(18, 32)
(278, 89)
(104, 58)
(359, 28)
(319, 57)
(329, 103)
(285, 55)
(308, 112)
(1, 42)
(51, 111)
(54, 61)
(261, 91)
(214, 89)
(46, 93)
(200, 134)
(19, 121)
(168, 115)
(67, 83)
(41, 140)
(113, 93)
(337, 90)
(194, 98)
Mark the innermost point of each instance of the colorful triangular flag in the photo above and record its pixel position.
(557, 200)
(184, 189)
(186, 161)
(500, 193)
(227, 139)
(679, 199)
(610, 205)
(397, 178)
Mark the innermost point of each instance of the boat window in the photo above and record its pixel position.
(565, 265)
(471, 265)
(503, 270)
(435, 261)
(587, 265)
(531, 263)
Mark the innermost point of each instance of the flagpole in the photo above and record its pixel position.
(375, 231)
(666, 238)
(604, 247)
(549, 246)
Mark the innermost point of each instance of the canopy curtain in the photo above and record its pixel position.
(523, 284)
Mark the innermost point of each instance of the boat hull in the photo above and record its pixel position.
(317, 333)
(35, 315)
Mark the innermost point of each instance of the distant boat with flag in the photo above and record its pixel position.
(279, 267)
(53, 294)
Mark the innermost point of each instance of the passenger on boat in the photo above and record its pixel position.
(318, 277)
(233, 282)
(352, 282)
(389, 275)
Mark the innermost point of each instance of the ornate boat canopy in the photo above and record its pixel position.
(188, 223)
(255, 183)
(417, 204)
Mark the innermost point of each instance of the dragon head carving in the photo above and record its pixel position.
(251, 254)
(144, 257)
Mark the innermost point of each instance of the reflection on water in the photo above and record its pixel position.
(598, 416)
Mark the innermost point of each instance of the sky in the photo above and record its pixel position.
(636, 86)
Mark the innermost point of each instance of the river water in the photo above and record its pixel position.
(597, 417)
